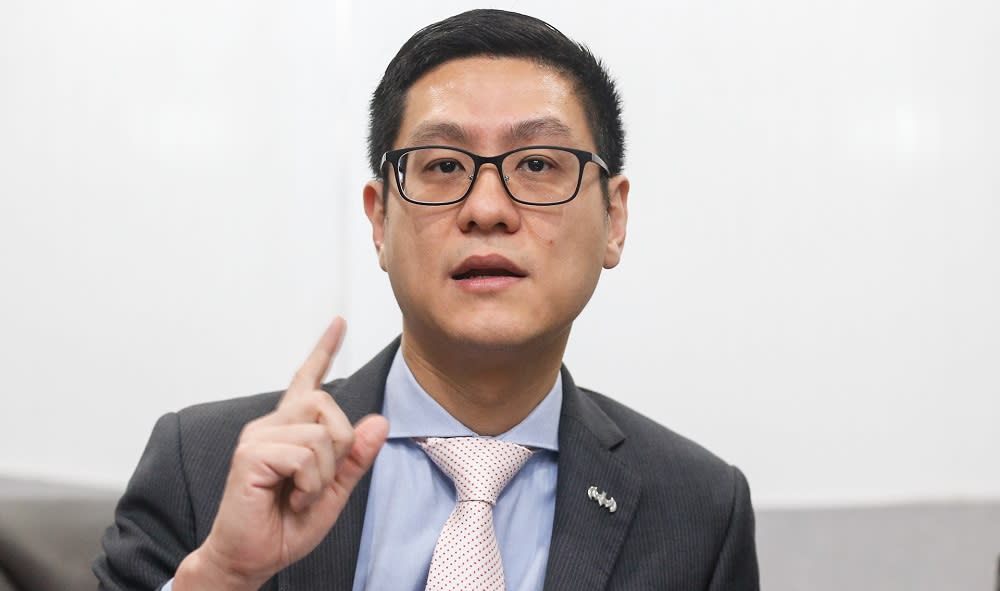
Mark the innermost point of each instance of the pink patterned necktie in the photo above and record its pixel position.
(467, 556)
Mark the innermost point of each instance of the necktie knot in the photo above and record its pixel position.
(480, 467)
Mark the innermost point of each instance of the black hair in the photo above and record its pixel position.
(497, 33)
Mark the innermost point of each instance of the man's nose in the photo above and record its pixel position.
(488, 206)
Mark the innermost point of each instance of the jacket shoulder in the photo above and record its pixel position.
(667, 459)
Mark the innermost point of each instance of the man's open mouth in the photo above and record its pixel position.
(492, 265)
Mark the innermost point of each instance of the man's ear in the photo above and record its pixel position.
(617, 220)
(375, 210)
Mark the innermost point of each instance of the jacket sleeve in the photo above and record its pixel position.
(736, 566)
(154, 526)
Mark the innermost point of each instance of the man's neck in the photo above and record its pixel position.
(487, 391)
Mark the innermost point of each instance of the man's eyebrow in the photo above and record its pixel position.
(432, 132)
(541, 127)
(436, 131)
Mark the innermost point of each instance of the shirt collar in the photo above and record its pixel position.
(412, 412)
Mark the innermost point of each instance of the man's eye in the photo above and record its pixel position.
(536, 165)
(445, 166)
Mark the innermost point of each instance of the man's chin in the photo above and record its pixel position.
(496, 338)
(471, 332)
(505, 336)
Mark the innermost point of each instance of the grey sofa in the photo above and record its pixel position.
(50, 533)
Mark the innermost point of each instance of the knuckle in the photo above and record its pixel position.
(319, 434)
(243, 453)
(252, 426)
(251, 430)
(298, 461)
(318, 397)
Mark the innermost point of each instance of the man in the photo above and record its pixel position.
(491, 259)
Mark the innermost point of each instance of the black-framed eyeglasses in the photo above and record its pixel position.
(533, 175)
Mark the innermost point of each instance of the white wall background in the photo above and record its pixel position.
(810, 284)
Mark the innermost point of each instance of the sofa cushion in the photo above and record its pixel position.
(49, 535)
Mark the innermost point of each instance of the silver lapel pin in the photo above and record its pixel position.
(602, 499)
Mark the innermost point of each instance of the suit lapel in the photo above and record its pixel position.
(586, 537)
(333, 562)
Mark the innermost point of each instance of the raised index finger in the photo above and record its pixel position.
(310, 375)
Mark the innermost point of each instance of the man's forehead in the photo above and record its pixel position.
(507, 99)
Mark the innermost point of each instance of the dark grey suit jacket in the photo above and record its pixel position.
(684, 520)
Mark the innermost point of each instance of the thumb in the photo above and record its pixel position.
(369, 435)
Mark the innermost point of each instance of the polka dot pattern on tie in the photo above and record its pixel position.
(467, 557)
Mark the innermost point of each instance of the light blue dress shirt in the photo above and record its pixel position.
(410, 498)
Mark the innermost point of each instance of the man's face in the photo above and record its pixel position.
(489, 272)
